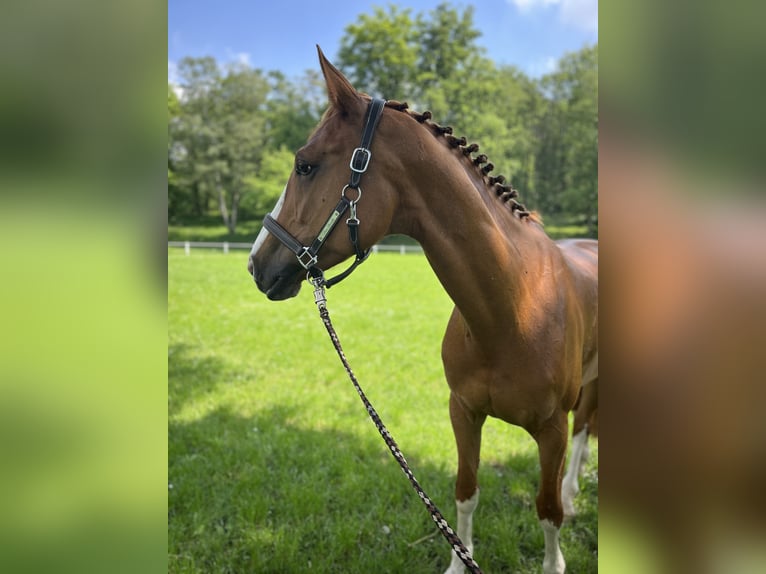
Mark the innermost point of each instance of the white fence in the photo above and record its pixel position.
(226, 246)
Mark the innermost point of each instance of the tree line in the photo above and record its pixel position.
(233, 130)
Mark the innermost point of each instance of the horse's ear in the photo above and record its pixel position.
(342, 94)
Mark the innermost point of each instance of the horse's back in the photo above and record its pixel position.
(582, 257)
(580, 249)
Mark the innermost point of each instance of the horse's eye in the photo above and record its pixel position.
(303, 168)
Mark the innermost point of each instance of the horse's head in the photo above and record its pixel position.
(316, 185)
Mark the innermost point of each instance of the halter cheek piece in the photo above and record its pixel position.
(307, 255)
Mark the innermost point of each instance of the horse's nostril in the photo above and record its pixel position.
(251, 269)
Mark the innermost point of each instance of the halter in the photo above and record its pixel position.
(307, 255)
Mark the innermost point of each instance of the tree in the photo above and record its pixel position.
(293, 109)
(265, 187)
(512, 99)
(379, 54)
(176, 194)
(217, 140)
(446, 42)
(391, 54)
(567, 161)
(244, 92)
(190, 135)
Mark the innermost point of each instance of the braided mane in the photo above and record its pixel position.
(504, 191)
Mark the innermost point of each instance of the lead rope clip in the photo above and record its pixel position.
(319, 291)
(352, 220)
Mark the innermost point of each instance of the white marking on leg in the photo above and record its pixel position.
(570, 486)
(465, 511)
(553, 563)
(264, 232)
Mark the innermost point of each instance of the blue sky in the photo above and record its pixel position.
(281, 34)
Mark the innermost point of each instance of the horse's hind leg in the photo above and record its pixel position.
(552, 442)
(467, 429)
(583, 420)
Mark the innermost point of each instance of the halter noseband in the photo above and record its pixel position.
(307, 255)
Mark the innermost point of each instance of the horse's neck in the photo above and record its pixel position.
(489, 262)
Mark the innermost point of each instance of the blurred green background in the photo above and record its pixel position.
(83, 394)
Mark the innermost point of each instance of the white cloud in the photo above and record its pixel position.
(543, 66)
(173, 79)
(527, 5)
(242, 58)
(581, 14)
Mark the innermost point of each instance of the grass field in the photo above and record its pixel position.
(273, 465)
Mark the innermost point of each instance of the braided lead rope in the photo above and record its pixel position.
(454, 540)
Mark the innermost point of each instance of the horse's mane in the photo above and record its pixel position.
(497, 184)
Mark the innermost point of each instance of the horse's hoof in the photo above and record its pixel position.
(556, 566)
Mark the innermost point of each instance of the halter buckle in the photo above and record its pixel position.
(361, 156)
(310, 258)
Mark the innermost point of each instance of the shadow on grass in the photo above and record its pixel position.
(267, 494)
(189, 375)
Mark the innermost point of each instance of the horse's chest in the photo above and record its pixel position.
(484, 385)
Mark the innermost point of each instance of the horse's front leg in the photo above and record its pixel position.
(467, 429)
(552, 443)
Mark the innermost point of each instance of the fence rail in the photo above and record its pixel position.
(226, 246)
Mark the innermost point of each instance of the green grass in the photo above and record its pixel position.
(274, 465)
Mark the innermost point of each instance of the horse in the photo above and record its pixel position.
(522, 339)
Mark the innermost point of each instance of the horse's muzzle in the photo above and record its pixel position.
(278, 283)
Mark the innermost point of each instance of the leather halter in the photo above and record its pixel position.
(307, 254)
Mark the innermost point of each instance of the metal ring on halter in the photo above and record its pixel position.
(315, 276)
(358, 197)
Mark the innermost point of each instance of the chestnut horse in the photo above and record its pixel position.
(522, 338)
